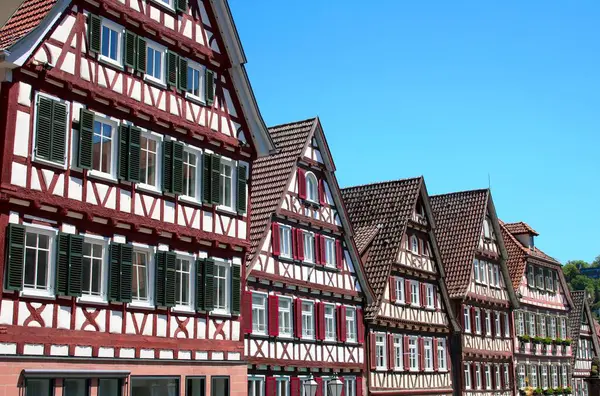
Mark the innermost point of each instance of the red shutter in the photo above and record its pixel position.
(406, 353)
(462, 316)
(322, 200)
(320, 308)
(360, 326)
(274, 316)
(293, 237)
(393, 296)
(322, 250)
(483, 377)
(301, 183)
(473, 325)
(390, 349)
(422, 294)
(421, 354)
(270, 385)
(298, 319)
(317, 256)
(359, 386)
(436, 299)
(407, 291)
(319, 382)
(300, 244)
(275, 243)
(373, 355)
(435, 354)
(339, 255)
(247, 312)
(341, 323)
(294, 386)
(483, 322)
(343, 387)
(473, 376)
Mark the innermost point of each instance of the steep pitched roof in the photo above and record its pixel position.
(581, 307)
(25, 19)
(520, 228)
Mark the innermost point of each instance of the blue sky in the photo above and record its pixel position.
(452, 90)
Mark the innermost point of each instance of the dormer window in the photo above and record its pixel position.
(414, 244)
(312, 187)
(531, 244)
(488, 231)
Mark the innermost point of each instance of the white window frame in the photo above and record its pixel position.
(507, 384)
(531, 323)
(414, 244)
(488, 323)
(308, 239)
(478, 376)
(531, 279)
(330, 260)
(158, 170)
(520, 322)
(306, 335)
(415, 293)
(490, 268)
(497, 281)
(120, 30)
(564, 374)
(351, 325)
(233, 165)
(544, 374)
(430, 299)
(278, 381)
(533, 375)
(309, 179)
(254, 379)
(552, 329)
(467, 375)
(498, 376)
(521, 376)
(198, 165)
(497, 324)
(476, 270)
(227, 265)
(477, 321)
(330, 321)
(149, 252)
(191, 291)
(51, 233)
(103, 297)
(201, 76)
(112, 175)
(483, 272)
(349, 386)
(257, 327)
(398, 352)
(285, 241)
(506, 325)
(442, 355)
(163, 50)
(554, 374)
(400, 292)
(467, 318)
(63, 164)
(284, 311)
(380, 351)
(428, 353)
(488, 376)
(413, 353)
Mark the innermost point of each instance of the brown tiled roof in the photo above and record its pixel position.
(520, 228)
(389, 205)
(581, 307)
(27, 17)
(459, 218)
(271, 175)
(363, 236)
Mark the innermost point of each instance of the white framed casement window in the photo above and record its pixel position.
(413, 353)
(490, 268)
(282, 386)
(477, 321)
(222, 282)
(507, 383)
(38, 269)
(256, 386)
(259, 313)
(533, 375)
(184, 281)
(539, 277)
(563, 327)
(519, 323)
(496, 276)
(554, 370)
(150, 168)
(155, 63)
(467, 318)
(482, 271)
(94, 266)
(400, 290)
(285, 317)
(143, 276)
(309, 246)
(544, 372)
(549, 280)
(414, 244)
(285, 241)
(488, 376)
(104, 148)
(564, 374)
(467, 375)
(227, 184)
(497, 324)
(476, 270)
(428, 352)
(330, 334)
(488, 323)
(531, 323)
(349, 386)
(498, 376)
(330, 252)
(487, 229)
(441, 351)
(111, 42)
(195, 81)
(380, 349)
(506, 325)
(477, 376)
(312, 187)
(415, 299)
(530, 276)
(191, 174)
(398, 353)
(308, 321)
(542, 324)
(430, 300)
(351, 327)
(521, 376)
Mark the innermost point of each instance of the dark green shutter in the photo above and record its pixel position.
(199, 283)
(135, 136)
(183, 65)
(120, 272)
(43, 142)
(171, 262)
(62, 264)
(172, 61)
(181, 5)
(141, 55)
(94, 26)
(167, 162)
(236, 289)
(206, 166)
(209, 284)
(209, 91)
(130, 54)
(75, 265)
(86, 135)
(59, 132)
(114, 272)
(215, 180)
(123, 152)
(15, 256)
(126, 277)
(177, 175)
(160, 260)
(241, 189)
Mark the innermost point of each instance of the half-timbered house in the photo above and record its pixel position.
(542, 342)
(410, 320)
(128, 133)
(480, 288)
(585, 341)
(306, 288)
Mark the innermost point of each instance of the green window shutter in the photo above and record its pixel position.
(43, 132)
(62, 264)
(75, 265)
(135, 136)
(209, 91)
(209, 285)
(59, 132)
(167, 163)
(181, 5)
(94, 27)
(126, 273)
(172, 61)
(177, 174)
(160, 260)
(199, 283)
(170, 279)
(86, 135)
(130, 53)
(123, 152)
(206, 166)
(114, 272)
(215, 180)
(236, 289)
(141, 55)
(15, 256)
(241, 189)
(183, 66)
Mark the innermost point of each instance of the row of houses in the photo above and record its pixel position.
(158, 239)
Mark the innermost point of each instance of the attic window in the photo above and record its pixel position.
(312, 189)
(487, 228)
(531, 244)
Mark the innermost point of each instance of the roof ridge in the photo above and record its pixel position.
(460, 192)
(311, 119)
(383, 182)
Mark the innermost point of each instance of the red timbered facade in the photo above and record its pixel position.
(585, 341)
(542, 342)
(479, 284)
(410, 321)
(130, 129)
(305, 286)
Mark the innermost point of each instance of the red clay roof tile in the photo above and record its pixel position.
(27, 17)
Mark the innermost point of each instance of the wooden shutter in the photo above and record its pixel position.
(141, 55)
(319, 382)
(341, 325)
(298, 317)
(294, 242)
(322, 200)
(320, 320)
(473, 324)
(421, 354)
(86, 135)
(270, 386)
(301, 183)
(209, 91)
(170, 265)
(160, 262)
(206, 179)
(360, 326)
(209, 285)
(167, 164)
(484, 323)
(407, 291)
(393, 291)
(273, 315)
(294, 386)
(322, 247)
(113, 278)
(339, 254)
(130, 55)
(43, 142)
(275, 239)
(390, 349)
(94, 33)
(126, 277)
(75, 282)
(435, 354)
(172, 63)
(236, 288)
(317, 249)
(59, 129)
(133, 163)
(406, 352)
(473, 376)
(373, 357)
(359, 386)
(241, 189)
(62, 264)
(436, 302)
(300, 244)
(215, 180)
(182, 76)
(247, 313)
(483, 378)
(173, 167)
(423, 294)
(199, 282)
(123, 152)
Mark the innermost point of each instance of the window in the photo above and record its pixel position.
(487, 229)
(476, 270)
(309, 247)
(140, 277)
(39, 254)
(488, 376)
(113, 387)
(349, 386)
(413, 354)
(398, 355)
(521, 383)
(506, 325)
(329, 252)
(256, 386)
(380, 351)
(540, 278)
(554, 376)
(285, 241)
(498, 377)
(414, 244)
(400, 290)
(531, 321)
(168, 3)
(533, 375)
(477, 321)
(75, 387)
(544, 370)
(93, 268)
(530, 276)
(155, 62)
(564, 373)
(110, 42)
(552, 327)
(563, 328)
(467, 319)
(227, 188)
(144, 386)
(414, 293)
(330, 322)
(312, 187)
(507, 383)
(285, 317)
(39, 387)
(496, 275)
(467, 375)
(307, 320)
(282, 386)
(490, 267)
(103, 147)
(259, 314)
(183, 282)
(350, 324)
(549, 280)
(428, 351)
(219, 386)
(191, 187)
(442, 363)
(222, 283)
(482, 271)
(478, 376)
(498, 325)
(149, 160)
(488, 323)
(520, 323)
(542, 323)
(430, 299)
(195, 80)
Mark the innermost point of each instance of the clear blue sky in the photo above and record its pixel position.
(452, 90)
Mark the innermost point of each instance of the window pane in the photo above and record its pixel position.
(38, 387)
(75, 387)
(109, 387)
(219, 387)
(226, 182)
(195, 387)
(152, 386)
(182, 282)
